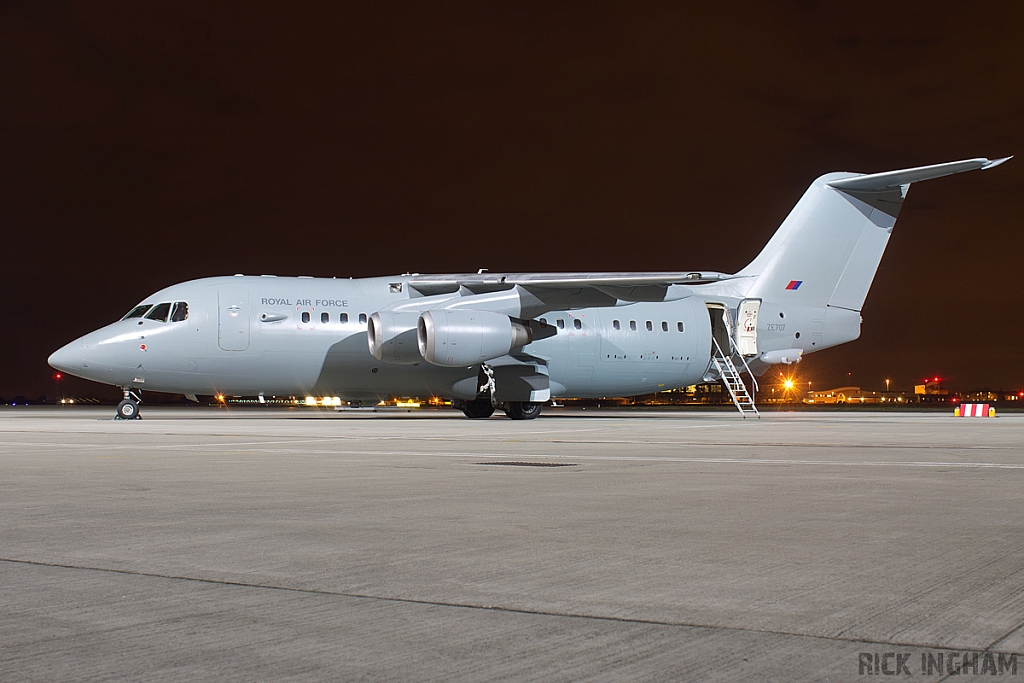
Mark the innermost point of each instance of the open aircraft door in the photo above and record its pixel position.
(746, 328)
(233, 318)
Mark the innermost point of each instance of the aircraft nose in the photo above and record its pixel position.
(67, 358)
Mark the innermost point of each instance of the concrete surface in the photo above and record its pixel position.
(300, 545)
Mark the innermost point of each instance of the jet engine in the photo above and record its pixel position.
(460, 338)
(392, 337)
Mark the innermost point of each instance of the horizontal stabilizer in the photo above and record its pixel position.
(877, 182)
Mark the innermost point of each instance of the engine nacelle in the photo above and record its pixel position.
(392, 337)
(460, 338)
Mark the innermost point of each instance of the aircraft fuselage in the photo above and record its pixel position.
(284, 336)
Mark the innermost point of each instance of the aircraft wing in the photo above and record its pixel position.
(526, 295)
(492, 282)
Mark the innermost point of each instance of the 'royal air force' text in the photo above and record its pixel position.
(318, 303)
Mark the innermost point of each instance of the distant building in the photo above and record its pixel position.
(992, 396)
(931, 391)
(854, 395)
(840, 395)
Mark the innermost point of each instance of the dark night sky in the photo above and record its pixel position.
(142, 145)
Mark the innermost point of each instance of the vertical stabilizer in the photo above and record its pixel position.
(827, 250)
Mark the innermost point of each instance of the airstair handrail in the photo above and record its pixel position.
(752, 378)
(722, 353)
(730, 376)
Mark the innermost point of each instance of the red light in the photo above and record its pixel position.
(58, 376)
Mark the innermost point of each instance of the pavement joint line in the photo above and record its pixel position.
(960, 669)
(1006, 635)
(624, 458)
(667, 459)
(728, 461)
(505, 439)
(498, 608)
(933, 588)
(287, 440)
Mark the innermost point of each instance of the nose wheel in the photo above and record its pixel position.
(128, 409)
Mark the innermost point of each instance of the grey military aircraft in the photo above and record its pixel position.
(514, 340)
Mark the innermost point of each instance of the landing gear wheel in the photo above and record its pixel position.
(127, 410)
(478, 409)
(522, 410)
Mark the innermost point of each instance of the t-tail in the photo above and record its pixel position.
(824, 255)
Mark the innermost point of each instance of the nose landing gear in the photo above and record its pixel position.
(128, 409)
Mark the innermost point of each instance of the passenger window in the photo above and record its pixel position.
(343, 317)
(362, 318)
(615, 324)
(159, 313)
(179, 312)
(543, 323)
(561, 324)
(305, 316)
(325, 317)
(577, 323)
(137, 312)
(679, 326)
(650, 327)
(632, 325)
(664, 326)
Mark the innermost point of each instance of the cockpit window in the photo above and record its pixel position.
(159, 313)
(179, 311)
(137, 312)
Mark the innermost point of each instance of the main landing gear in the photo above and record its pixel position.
(522, 410)
(482, 407)
(128, 409)
(478, 408)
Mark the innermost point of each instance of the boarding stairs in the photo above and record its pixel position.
(741, 398)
